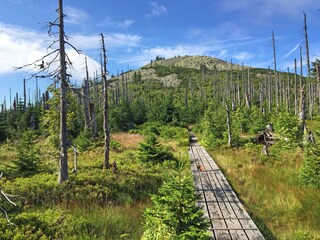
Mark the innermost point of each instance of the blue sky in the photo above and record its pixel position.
(137, 31)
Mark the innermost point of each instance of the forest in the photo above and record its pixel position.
(109, 160)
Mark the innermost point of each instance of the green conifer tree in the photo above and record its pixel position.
(174, 214)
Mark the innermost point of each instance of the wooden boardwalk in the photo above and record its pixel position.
(228, 218)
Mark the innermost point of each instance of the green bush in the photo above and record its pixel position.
(286, 126)
(83, 141)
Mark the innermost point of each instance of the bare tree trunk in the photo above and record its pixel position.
(86, 97)
(63, 161)
(275, 72)
(288, 90)
(302, 111)
(269, 91)
(106, 107)
(24, 96)
(295, 88)
(228, 124)
(306, 42)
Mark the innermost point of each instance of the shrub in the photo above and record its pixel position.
(83, 141)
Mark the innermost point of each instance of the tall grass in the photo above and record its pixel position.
(270, 189)
(111, 222)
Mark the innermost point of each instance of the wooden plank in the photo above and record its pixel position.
(215, 210)
(220, 195)
(205, 210)
(254, 235)
(239, 211)
(225, 211)
(220, 234)
(197, 182)
(238, 235)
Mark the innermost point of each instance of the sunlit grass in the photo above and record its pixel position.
(110, 222)
(129, 141)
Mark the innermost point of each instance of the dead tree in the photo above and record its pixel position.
(63, 159)
(86, 97)
(43, 69)
(106, 106)
(302, 110)
(295, 88)
(228, 125)
(276, 82)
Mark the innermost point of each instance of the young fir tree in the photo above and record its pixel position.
(28, 160)
(310, 171)
(151, 151)
(174, 214)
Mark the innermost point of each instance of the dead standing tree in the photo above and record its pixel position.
(43, 69)
(106, 105)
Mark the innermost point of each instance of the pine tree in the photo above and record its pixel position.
(174, 214)
(151, 151)
(28, 159)
(310, 171)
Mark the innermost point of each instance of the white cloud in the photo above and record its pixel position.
(75, 15)
(157, 10)
(20, 47)
(291, 51)
(144, 56)
(242, 56)
(119, 24)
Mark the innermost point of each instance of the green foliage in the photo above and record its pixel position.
(51, 118)
(286, 125)
(247, 120)
(177, 133)
(214, 127)
(120, 118)
(115, 146)
(28, 159)
(151, 151)
(83, 141)
(174, 214)
(310, 172)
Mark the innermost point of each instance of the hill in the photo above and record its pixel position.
(170, 72)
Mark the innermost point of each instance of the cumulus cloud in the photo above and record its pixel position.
(20, 47)
(75, 15)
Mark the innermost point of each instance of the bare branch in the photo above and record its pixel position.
(77, 50)
(6, 215)
(7, 198)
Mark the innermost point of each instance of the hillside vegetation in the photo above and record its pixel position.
(150, 110)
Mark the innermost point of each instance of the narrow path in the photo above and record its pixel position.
(228, 217)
